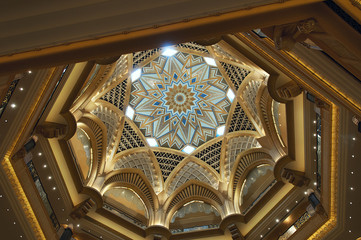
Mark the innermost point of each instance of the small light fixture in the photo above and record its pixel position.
(230, 95)
(54, 188)
(152, 142)
(130, 112)
(315, 183)
(287, 210)
(314, 134)
(6, 120)
(21, 89)
(45, 166)
(352, 173)
(49, 177)
(14, 223)
(40, 154)
(78, 225)
(261, 236)
(277, 220)
(220, 130)
(350, 203)
(210, 61)
(352, 155)
(314, 121)
(29, 71)
(13, 105)
(168, 52)
(188, 149)
(354, 138)
(305, 193)
(351, 188)
(136, 74)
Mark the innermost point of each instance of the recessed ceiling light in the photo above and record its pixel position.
(54, 188)
(49, 177)
(261, 235)
(314, 147)
(168, 51)
(305, 193)
(220, 130)
(78, 225)
(350, 217)
(63, 209)
(7, 209)
(40, 154)
(45, 166)
(352, 173)
(351, 188)
(101, 236)
(296, 201)
(58, 198)
(21, 236)
(29, 71)
(287, 210)
(230, 95)
(354, 138)
(314, 134)
(210, 61)
(188, 149)
(350, 203)
(352, 155)
(152, 142)
(6, 120)
(14, 223)
(21, 89)
(349, 231)
(314, 121)
(315, 183)
(277, 220)
(129, 112)
(13, 105)
(136, 75)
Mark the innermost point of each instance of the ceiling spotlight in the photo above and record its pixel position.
(314, 134)
(152, 142)
(296, 201)
(354, 138)
(352, 173)
(29, 71)
(220, 130)
(350, 203)
(352, 155)
(13, 105)
(40, 154)
(6, 120)
(49, 177)
(277, 220)
(261, 235)
(210, 61)
(315, 183)
(305, 193)
(351, 188)
(230, 95)
(314, 121)
(78, 225)
(188, 149)
(136, 75)
(21, 89)
(349, 231)
(350, 217)
(287, 210)
(54, 188)
(14, 223)
(130, 112)
(45, 166)
(168, 52)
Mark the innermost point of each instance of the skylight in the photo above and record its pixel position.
(136, 75)
(129, 112)
(152, 142)
(168, 51)
(230, 95)
(220, 130)
(188, 149)
(210, 61)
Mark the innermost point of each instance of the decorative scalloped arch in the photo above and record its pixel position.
(192, 169)
(140, 160)
(193, 190)
(136, 180)
(246, 161)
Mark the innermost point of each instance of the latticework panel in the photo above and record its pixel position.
(192, 171)
(211, 155)
(193, 46)
(134, 179)
(139, 57)
(129, 139)
(240, 121)
(167, 162)
(117, 95)
(143, 162)
(111, 121)
(221, 53)
(249, 95)
(194, 190)
(235, 74)
(235, 146)
(245, 162)
(97, 131)
(121, 68)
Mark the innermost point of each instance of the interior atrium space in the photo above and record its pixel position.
(158, 120)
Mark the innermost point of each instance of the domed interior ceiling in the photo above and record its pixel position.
(174, 124)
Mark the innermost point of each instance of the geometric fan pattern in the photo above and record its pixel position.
(167, 162)
(129, 139)
(235, 73)
(211, 155)
(116, 95)
(180, 100)
(240, 121)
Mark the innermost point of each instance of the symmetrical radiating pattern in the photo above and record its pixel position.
(192, 171)
(111, 121)
(240, 121)
(141, 56)
(211, 155)
(235, 146)
(235, 74)
(249, 95)
(193, 46)
(116, 95)
(143, 162)
(194, 190)
(180, 100)
(167, 162)
(129, 139)
(121, 68)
